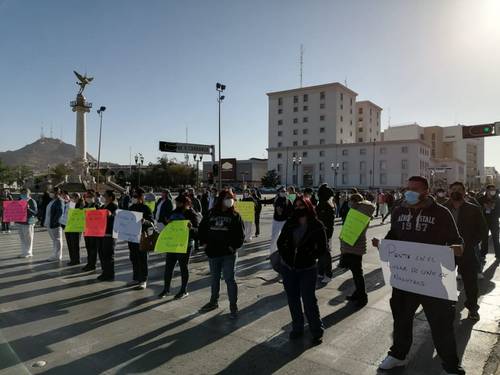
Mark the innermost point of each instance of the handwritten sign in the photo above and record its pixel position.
(128, 226)
(15, 211)
(419, 268)
(76, 220)
(246, 210)
(173, 238)
(95, 223)
(355, 223)
(151, 205)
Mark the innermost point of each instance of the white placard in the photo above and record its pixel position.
(128, 226)
(419, 268)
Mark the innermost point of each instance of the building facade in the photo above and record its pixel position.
(248, 172)
(368, 121)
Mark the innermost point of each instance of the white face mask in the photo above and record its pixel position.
(228, 203)
(492, 192)
(441, 195)
(134, 201)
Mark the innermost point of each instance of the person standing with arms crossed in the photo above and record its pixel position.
(420, 219)
(27, 229)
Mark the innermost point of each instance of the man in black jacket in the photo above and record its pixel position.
(470, 225)
(420, 219)
(490, 203)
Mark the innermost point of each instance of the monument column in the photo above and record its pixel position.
(81, 107)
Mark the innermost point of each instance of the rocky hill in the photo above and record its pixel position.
(40, 154)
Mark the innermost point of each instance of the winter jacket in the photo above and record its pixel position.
(359, 247)
(32, 212)
(165, 210)
(310, 247)
(222, 231)
(326, 214)
(490, 206)
(147, 215)
(112, 207)
(56, 211)
(283, 207)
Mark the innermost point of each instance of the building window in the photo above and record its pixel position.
(304, 142)
(362, 179)
(295, 109)
(279, 155)
(360, 119)
(321, 166)
(295, 131)
(341, 130)
(322, 118)
(433, 136)
(383, 179)
(321, 141)
(322, 153)
(280, 101)
(295, 99)
(295, 143)
(383, 165)
(322, 105)
(294, 154)
(345, 152)
(362, 166)
(306, 97)
(305, 131)
(280, 111)
(280, 122)
(360, 130)
(422, 137)
(404, 149)
(321, 130)
(345, 165)
(304, 154)
(322, 95)
(305, 119)
(305, 108)
(280, 133)
(341, 118)
(360, 111)
(278, 167)
(295, 120)
(351, 101)
(362, 151)
(383, 150)
(341, 96)
(404, 179)
(345, 179)
(404, 164)
(280, 144)
(350, 134)
(341, 106)
(360, 140)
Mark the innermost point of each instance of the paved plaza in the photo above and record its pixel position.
(59, 315)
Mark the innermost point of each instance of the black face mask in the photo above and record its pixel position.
(300, 212)
(456, 196)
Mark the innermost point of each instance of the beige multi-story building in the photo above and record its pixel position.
(367, 121)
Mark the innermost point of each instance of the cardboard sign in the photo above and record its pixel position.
(95, 223)
(76, 220)
(128, 226)
(246, 210)
(355, 223)
(173, 238)
(151, 205)
(419, 268)
(15, 211)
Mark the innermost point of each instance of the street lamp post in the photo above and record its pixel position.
(335, 168)
(99, 112)
(139, 161)
(296, 162)
(220, 88)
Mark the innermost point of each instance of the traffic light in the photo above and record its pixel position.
(478, 131)
(215, 170)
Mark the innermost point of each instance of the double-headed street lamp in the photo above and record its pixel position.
(220, 88)
(335, 168)
(99, 112)
(295, 163)
(139, 161)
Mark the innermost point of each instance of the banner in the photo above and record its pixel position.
(246, 210)
(76, 220)
(354, 225)
(95, 223)
(15, 211)
(173, 238)
(128, 226)
(419, 268)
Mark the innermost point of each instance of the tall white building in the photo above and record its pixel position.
(367, 121)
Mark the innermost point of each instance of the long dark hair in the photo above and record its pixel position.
(311, 211)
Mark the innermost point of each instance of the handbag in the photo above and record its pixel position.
(275, 259)
(148, 240)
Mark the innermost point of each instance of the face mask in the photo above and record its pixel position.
(300, 212)
(492, 192)
(134, 201)
(456, 196)
(24, 197)
(412, 197)
(441, 195)
(228, 203)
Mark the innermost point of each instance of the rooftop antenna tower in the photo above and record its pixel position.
(42, 136)
(301, 62)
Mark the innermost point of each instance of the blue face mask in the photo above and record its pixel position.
(412, 197)
(24, 197)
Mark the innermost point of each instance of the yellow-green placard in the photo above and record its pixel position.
(173, 238)
(151, 205)
(292, 197)
(355, 223)
(76, 220)
(246, 210)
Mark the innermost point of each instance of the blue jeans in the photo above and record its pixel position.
(300, 287)
(226, 265)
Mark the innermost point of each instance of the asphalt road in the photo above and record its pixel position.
(58, 315)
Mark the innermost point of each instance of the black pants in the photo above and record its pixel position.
(354, 263)
(73, 242)
(106, 252)
(468, 267)
(325, 263)
(257, 223)
(91, 244)
(440, 314)
(139, 261)
(171, 260)
(5, 226)
(493, 228)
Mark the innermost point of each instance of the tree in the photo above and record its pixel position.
(270, 179)
(5, 173)
(60, 171)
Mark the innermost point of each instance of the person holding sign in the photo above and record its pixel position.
(301, 243)
(106, 244)
(420, 219)
(326, 214)
(27, 228)
(53, 213)
(139, 258)
(5, 196)
(352, 253)
(183, 211)
(248, 222)
(73, 238)
(223, 233)
(91, 243)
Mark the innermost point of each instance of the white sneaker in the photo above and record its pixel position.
(25, 256)
(390, 362)
(326, 280)
(142, 285)
(480, 276)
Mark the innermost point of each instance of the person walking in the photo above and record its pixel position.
(91, 243)
(490, 203)
(420, 219)
(247, 197)
(106, 245)
(471, 226)
(352, 255)
(282, 209)
(139, 258)
(5, 196)
(258, 210)
(222, 232)
(73, 239)
(389, 201)
(163, 209)
(326, 214)
(27, 228)
(183, 211)
(301, 242)
(53, 213)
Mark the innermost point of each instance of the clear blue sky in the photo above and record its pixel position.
(156, 64)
